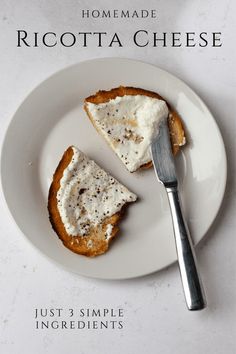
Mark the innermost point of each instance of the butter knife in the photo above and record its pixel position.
(163, 162)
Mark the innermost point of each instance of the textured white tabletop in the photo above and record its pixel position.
(155, 316)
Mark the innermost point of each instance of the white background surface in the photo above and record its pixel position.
(156, 319)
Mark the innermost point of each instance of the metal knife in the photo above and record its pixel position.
(163, 162)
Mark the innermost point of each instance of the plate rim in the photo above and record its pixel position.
(70, 67)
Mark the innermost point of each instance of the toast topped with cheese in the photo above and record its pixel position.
(128, 119)
(85, 204)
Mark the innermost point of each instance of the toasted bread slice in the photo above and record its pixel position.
(85, 204)
(128, 119)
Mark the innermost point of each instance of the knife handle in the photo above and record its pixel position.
(192, 285)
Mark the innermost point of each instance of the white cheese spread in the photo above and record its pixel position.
(129, 124)
(87, 195)
(108, 231)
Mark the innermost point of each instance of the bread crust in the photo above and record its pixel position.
(78, 244)
(176, 129)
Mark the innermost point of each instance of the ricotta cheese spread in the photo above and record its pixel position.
(88, 195)
(108, 231)
(129, 123)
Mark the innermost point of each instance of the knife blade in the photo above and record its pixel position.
(164, 166)
(162, 156)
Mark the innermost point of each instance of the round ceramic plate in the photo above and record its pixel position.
(52, 117)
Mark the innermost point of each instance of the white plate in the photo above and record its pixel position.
(51, 118)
